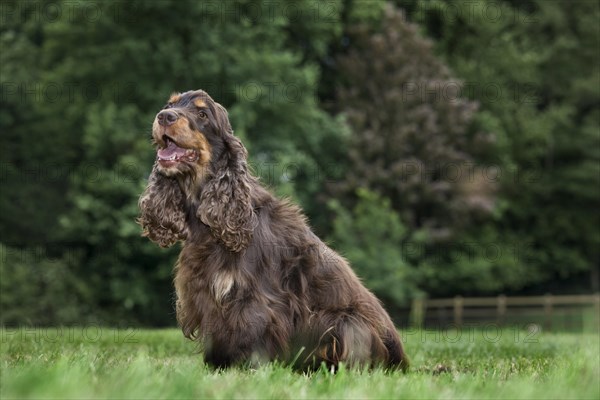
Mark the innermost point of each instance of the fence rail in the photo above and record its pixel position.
(499, 305)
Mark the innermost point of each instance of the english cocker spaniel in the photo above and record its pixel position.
(253, 282)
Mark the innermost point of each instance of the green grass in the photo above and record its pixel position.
(471, 364)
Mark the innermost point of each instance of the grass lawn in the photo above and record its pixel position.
(98, 362)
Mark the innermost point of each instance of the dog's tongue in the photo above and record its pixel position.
(171, 151)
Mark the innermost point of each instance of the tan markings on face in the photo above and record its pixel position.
(199, 103)
(184, 136)
(187, 138)
(175, 97)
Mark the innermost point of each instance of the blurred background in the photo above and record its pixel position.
(446, 148)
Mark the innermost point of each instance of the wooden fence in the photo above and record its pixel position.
(498, 309)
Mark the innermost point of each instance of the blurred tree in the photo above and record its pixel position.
(80, 83)
(534, 68)
(413, 138)
(415, 141)
(34, 164)
(112, 66)
(38, 289)
(371, 236)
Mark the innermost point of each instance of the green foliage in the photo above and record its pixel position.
(30, 156)
(414, 140)
(371, 237)
(94, 362)
(114, 71)
(79, 90)
(534, 72)
(481, 262)
(38, 287)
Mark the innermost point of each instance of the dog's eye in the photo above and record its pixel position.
(168, 106)
(202, 114)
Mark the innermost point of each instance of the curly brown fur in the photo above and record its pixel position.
(253, 282)
(161, 205)
(225, 203)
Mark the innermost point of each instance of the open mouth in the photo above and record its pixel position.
(172, 153)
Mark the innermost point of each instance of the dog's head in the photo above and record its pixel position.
(198, 154)
(189, 129)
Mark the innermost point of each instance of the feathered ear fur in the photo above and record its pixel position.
(225, 202)
(161, 210)
(222, 118)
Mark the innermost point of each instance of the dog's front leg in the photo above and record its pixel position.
(240, 337)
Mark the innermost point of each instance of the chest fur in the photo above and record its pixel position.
(221, 285)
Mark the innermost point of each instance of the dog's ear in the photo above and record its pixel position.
(161, 210)
(222, 119)
(225, 202)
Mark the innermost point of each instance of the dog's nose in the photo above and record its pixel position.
(167, 117)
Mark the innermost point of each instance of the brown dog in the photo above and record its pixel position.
(253, 281)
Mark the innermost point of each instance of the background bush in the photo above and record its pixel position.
(319, 96)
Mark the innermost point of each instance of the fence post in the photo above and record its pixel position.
(597, 311)
(548, 311)
(458, 311)
(500, 309)
(417, 312)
